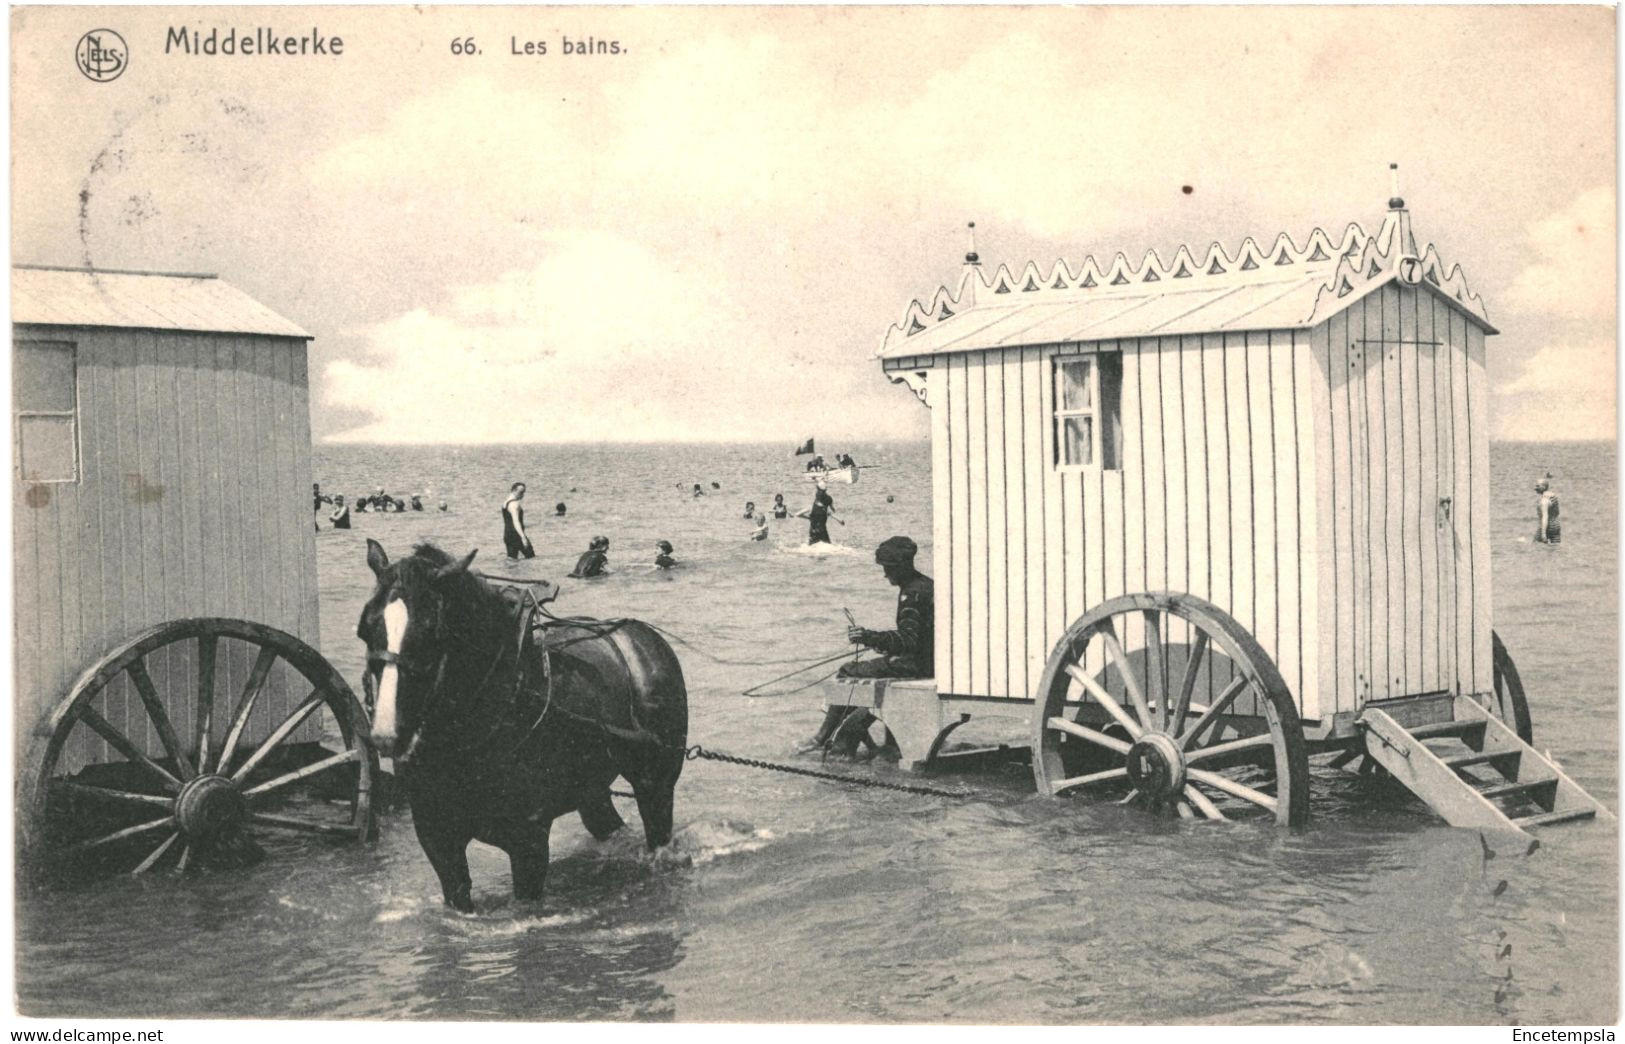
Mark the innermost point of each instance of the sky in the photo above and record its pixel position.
(706, 235)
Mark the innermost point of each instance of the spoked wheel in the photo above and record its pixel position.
(1164, 700)
(1507, 701)
(194, 689)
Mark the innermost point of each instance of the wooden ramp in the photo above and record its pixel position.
(1475, 772)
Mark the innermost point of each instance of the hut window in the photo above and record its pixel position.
(1088, 393)
(45, 400)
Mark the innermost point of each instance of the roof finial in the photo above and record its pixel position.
(970, 256)
(1394, 202)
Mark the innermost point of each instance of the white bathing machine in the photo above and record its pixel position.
(1201, 517)
(165, 574)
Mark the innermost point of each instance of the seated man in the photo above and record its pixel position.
(906, 652)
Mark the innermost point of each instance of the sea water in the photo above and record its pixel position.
(787, 899)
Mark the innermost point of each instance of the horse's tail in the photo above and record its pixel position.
(660, 693)
(624, 676)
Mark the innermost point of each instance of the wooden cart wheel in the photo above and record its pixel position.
(1508, 701)
(1197, 720)
(210, 793)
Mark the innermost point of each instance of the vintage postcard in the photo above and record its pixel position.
(873, 515)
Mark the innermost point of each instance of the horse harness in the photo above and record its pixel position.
(533, 622)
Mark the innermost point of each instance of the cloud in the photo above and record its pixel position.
(601, 340)
(1024, 130)
(772, 190)
(1563, 391)
(571, 348)
(1571, 269)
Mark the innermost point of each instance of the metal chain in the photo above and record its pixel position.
(699, 752)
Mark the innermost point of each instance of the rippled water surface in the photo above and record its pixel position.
(791, 900)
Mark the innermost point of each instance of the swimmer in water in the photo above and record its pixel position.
(442, 505)
(664, 559)
(417, 502)
(780, 508)
(698, 492)
(818, 516)
(341, 513)
(760, 532)
(594, 560)
(558, 509)
(1548, 529)
(514, 536)
(750, 509)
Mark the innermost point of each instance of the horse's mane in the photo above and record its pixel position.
(432, 554)
(466, 591)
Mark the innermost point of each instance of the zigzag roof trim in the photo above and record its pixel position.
(1284, 286)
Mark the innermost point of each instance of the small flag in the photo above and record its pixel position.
(806, 447)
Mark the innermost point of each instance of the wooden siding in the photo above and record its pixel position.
(195, 469)
(1401, 397)
(1216, 497)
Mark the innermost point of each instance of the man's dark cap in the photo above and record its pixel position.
(898, 550)
(664, 546)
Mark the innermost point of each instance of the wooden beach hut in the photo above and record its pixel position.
(1228, 500)
(160, 488)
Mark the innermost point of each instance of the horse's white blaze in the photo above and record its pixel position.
(383, 716)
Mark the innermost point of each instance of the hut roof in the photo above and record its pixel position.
(1284, 287)
(139, 300)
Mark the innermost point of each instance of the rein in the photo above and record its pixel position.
(452, 640)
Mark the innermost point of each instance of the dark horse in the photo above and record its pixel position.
(497, 730)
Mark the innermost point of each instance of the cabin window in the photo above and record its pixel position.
(1088, 413)
(45, 399)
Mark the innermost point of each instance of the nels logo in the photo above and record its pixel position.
(102, 55)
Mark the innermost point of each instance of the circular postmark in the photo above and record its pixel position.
(102, 55)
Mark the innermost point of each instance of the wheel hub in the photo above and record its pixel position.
(1156, 765)
(208, 805)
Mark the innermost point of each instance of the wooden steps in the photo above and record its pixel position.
(1530, 788)
(1546, 818)
(1475, 772)
(1446, 728)
(1477, 757)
